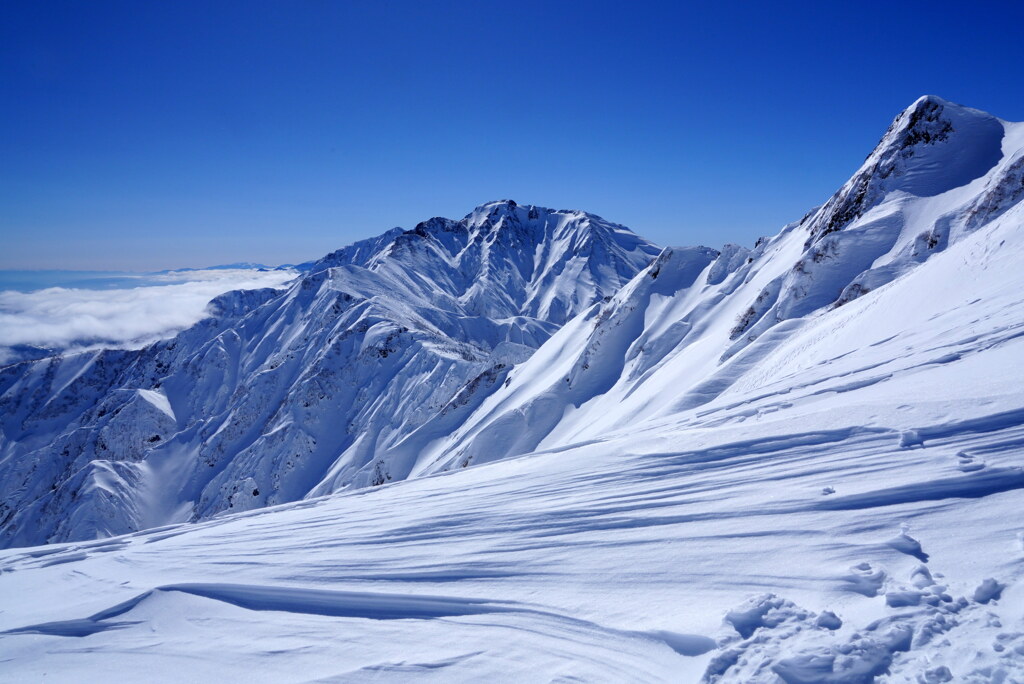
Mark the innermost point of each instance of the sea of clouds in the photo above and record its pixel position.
(63, 318)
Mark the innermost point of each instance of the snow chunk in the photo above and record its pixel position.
(988, 590)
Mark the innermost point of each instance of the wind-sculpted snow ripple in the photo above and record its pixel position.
(349, 604)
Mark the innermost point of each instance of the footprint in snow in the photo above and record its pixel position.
(864, 579)
(923, 589)
(967, 464)
(910, 439)
(988, 590)
(904, 543)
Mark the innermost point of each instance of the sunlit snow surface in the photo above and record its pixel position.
(615, 561)
(670, 489)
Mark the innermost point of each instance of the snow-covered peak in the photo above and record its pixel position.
(932, 147)
(932, 124)
(313, 388)
(504, 259)
(491, 213)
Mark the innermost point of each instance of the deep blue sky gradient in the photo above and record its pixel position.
(144, 135)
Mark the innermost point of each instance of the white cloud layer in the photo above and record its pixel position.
(66, 318)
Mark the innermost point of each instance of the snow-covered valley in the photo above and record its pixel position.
(531, 446)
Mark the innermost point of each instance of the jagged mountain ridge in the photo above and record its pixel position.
(283, 392)
(697, 325)
(394, 356)
(503, 260)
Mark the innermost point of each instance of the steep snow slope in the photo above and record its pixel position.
(698, 329)
(281, 393)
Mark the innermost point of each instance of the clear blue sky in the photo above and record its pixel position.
(143, 135)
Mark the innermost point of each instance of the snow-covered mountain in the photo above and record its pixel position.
(284, 393)
(798, 462)
(700, 327)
